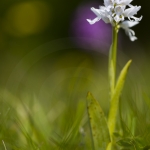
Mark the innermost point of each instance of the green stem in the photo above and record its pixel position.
(112, 76)
(114, 47)
(112, 60)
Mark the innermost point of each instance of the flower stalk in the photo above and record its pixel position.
(114, 45)
(115, 12)
(112, 81)
(112, 60)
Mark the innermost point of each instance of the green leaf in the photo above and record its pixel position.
(125, 142)
(98, 123)
(115, 98)
(109, 147)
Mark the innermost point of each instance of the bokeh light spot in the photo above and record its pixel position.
(27, 18)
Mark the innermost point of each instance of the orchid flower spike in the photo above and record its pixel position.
(115, 12)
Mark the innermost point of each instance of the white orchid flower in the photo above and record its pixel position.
(123, 2)
(130, 12)
(109, 2)
(103, 13)
(115, 12)
(98, 14)
(126, 25)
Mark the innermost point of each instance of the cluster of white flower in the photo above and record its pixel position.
(115, 12)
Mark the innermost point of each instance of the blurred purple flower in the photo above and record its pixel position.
(95, 37)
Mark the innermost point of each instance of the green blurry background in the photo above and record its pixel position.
(32, 31)
(44, 73)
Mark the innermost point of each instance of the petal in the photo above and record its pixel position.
(133, 38)
(108, 2)
(119, 10)
(96, 11)
(102, 9)
(125, 25)
(117, 18)
(125, 2)
(137, 19)
(94, 20)
(131, 11)
(128, 24)
(106, 19)
(111, 21)
(131, 34)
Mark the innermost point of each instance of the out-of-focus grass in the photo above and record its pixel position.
(48, 109)
(43, 95)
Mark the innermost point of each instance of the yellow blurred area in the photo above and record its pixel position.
(27, 18)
